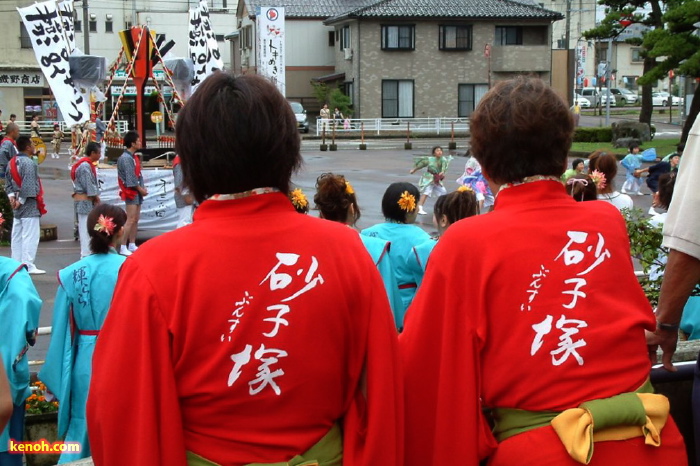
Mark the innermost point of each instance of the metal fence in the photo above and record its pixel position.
(379, 126)
(46, 127)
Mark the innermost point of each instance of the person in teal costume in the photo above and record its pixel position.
(82, 300)
(19, 318)
(448, 209)
(336, 201)
(400, 211)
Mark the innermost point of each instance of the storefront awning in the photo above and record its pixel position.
(329, 78)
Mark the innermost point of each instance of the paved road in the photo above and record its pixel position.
(370, 172)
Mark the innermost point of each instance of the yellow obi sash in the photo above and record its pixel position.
(621, 417)
(326, 452)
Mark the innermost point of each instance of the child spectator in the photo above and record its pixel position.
(632, 162)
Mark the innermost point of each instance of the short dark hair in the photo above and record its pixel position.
(237, 134)
(432, 151)
(92, 147)
(100, 240)
(575, 163)
(390, 202)
(582, 188)
(130, 138)
(456, 205)
(632, 145)
(667, 182)
(333, 198)
(12, 115)
(521, 128)
(23, 143)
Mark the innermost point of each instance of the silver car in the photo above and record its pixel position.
(300, 114)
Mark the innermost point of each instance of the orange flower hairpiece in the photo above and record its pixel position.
(407, 202)
(464, 188)
(2, 219)
(598, 178)
(298, 199)
(348, 188)
(105, 224)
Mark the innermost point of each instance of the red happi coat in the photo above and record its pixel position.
(243, 338)
(533, 306)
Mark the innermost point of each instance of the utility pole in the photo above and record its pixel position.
(86, 28)
(567, 40)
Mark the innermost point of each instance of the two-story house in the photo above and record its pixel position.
(408, 59)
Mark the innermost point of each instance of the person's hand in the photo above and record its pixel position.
(412, 171)
(665, 339)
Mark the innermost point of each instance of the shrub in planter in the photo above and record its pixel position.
(593, 135)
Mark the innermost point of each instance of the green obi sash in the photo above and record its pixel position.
(326, 452)
(616, 410)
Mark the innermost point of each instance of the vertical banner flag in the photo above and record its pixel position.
(44, 26)
(270, 59)
(202, 46)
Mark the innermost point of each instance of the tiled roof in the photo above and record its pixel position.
(473, 9)
(309, 8)
(340, 9)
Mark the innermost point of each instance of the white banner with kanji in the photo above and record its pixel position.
(270, 59)
(202, 46)
(44, 25)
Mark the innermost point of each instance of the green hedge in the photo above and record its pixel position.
(593, 135)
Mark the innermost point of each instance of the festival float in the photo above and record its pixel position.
(76, 81)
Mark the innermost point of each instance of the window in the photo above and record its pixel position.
(127, 25)
(93, 26)
(637, 55)
(331, 38)
(247, 37)
(344, 37)
(468, 96)
(397, 98)
(398, 37)
(347, 88)
(109, 26)
(219, 37)
(509, 35)
(455, 38)
(78, 25)
(25, 41)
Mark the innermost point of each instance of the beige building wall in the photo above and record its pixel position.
(436, 73)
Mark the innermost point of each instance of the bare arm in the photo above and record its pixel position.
(5, 398)
(681, 276)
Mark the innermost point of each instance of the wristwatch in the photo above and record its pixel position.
(667, 327)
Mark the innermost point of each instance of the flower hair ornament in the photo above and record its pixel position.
(298, 199)
(2, 219)
(105, 225)
(407, 202)
(464, 188)
(348, 188)
(598, 178)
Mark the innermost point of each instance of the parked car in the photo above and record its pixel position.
(300, 113)
(624, 96)
(596, 96)
(661, 99)
(582, 101)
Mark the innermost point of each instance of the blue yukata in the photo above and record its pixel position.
(379, 251)
(418, 259)
(19, 318)
(402, 238)
(82, 300)
(631, 162)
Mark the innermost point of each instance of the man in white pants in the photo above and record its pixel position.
(86, 192)
(27, 200)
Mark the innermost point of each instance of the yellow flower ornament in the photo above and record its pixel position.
(407, 202)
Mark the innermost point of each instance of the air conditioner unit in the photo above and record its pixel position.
(348, 54)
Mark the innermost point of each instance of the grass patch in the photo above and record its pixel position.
(663, 146)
